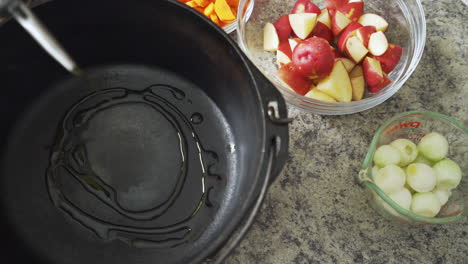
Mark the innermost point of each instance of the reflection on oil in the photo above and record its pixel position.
(129, 165)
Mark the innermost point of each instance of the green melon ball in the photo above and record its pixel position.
(386, 155)
(433, 146)
(391, 178)
(448, 174)
(408, 150)
(425, 204)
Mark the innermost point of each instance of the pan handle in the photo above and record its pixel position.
(276, 114)
(242, 230)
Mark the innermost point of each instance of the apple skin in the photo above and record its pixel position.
(333, 5)
(376, 80)
(322, 31)
(353, 11)
(390, 58)
(348, 32)
(285, 48)
(338, 54)
(339, 22)
(385, 81)
(372, 71)
(283, 28)
(298, 83)
(313, 58)
(364, 34)
(305, 6)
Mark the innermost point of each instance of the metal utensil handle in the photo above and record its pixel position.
(26, 18)
(232, 243)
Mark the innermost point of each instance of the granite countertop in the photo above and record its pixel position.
(316, 213)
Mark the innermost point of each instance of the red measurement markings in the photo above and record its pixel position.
(415, 124)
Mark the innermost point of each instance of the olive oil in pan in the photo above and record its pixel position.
(129, 165)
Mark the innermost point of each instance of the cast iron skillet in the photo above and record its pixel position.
(155, 156)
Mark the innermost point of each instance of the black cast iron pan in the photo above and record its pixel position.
(157, 155)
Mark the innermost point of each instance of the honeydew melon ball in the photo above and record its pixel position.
(408, 150)
(425, 204)
(433, 146)
(420, 177)
(391, 178)
(386, 155)
(402, 197)
(448, 174)
(442, 194)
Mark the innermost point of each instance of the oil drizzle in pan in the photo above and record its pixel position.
(129, 165)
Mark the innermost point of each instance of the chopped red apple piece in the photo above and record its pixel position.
(333, 5)
(347, 63)
(348, 32)
(339, 22)
(283, 28)
(355, 49)
(390, 58)
(377, 21)
(386, 81)
(337, 84)
(318, 95)
(283, 54)
(324, 17)
(364, 34)
(293, 79)
(378, 43)
(339, 49)
(270, 37)
(305, 6)
(375, 78)
(337, 53)
(353, 10)
(372, 71)
(357, 81)
(302, 24)
(313, 58)
(322, 31)
(293, 42)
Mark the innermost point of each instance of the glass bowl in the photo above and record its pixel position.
(248, 7)
(407, 28)
(413, 126)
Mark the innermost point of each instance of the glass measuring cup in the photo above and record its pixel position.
(413, 126)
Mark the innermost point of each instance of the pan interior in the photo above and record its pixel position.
(220, 95)
(140, 157)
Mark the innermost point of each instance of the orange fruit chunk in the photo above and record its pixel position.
(223, 10)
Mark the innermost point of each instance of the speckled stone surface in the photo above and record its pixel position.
(316, 213)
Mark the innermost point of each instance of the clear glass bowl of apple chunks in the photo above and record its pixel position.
(335, 56)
